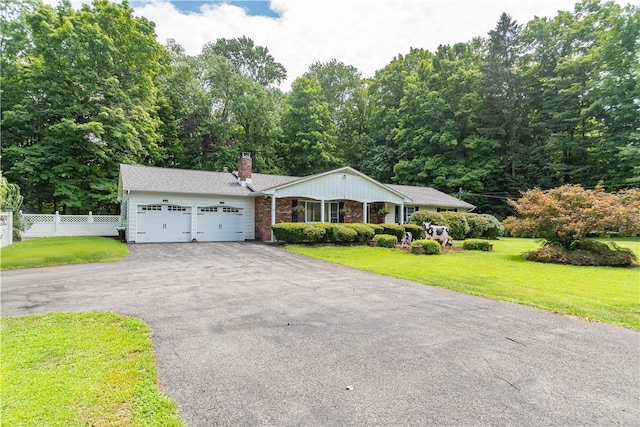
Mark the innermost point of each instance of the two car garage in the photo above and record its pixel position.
(161, 223)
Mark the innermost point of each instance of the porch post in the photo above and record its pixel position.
(273, 213)
(322, 211)
(364, 212)
(401, 213)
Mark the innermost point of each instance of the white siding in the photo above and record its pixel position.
(427, 208)
(147, 198)
(340, 186)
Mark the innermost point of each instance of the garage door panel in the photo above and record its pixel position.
(220, 224)
(163, 223)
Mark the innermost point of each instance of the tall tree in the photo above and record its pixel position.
(309, 141)
(344, 90)
(437, 133)
(581, 72)
(83, 100)
(378, 149)
(502, 96)
(243, 115)
(248, 60)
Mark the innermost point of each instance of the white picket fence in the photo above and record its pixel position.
(50, 225)
(6, 228)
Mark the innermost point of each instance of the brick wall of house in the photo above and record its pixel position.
(374, 217)
(356, 211)
(263, 215)
(356, 214)
(263, 218)
(283, 214)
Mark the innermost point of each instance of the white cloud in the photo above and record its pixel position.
(364, 33)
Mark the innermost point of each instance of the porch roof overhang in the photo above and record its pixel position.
(344, 183)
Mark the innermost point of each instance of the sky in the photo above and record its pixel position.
(366, 34)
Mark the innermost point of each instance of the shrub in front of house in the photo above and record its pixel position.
(343, 234)
(457, 223)
(385, 240)
(417, 231)
(313, 234)
(478, 225)
(495, 229)
(296, 232)
(427, 247)
(377, 228)
(477, 245)
(394, 230)
(328, 228)
(289, 232)
(364, 232)
(421, 217)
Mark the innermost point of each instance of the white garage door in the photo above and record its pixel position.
(163, 223)
(220, 224)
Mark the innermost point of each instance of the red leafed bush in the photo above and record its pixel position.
(569, 213)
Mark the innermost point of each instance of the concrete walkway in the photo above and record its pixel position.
(250, 334)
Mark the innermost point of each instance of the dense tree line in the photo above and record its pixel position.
(554, 101)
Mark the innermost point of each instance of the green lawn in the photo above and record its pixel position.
(49, 251)
(80, 369)
(605, 294)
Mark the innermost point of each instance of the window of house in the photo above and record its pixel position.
(408, 211)
(332, 212)
(312, 211)
(447, 210)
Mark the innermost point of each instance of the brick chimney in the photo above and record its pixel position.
(244, 169)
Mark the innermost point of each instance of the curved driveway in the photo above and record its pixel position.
(250, 334)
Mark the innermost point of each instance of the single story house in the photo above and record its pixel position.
(177, 205)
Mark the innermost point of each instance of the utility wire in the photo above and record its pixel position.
(507, 197)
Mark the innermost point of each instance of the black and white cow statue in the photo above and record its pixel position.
(437, 232)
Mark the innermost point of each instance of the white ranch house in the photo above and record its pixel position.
(177, 205)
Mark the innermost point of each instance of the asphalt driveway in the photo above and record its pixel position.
(249, 334)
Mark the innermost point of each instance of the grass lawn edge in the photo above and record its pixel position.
(94, 368)
(620, 310)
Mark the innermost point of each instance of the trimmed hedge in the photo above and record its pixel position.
(477, 245)
(394, 230)
(495, 229)
(296, 232)
(385, 240)
(478, 225)
(365, 232)
(342, 234)
(313, 234)
(457, 223)
(461, 225)
(336, 233)
(427, 247)
(377, 228)
(434, 218)
(417, 232)
(289, 232)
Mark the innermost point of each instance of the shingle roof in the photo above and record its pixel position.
(261, 181)
(429, 196)
(150, 178)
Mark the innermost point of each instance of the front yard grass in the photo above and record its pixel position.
(50, 251)
(605, 294)
(80, 369)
